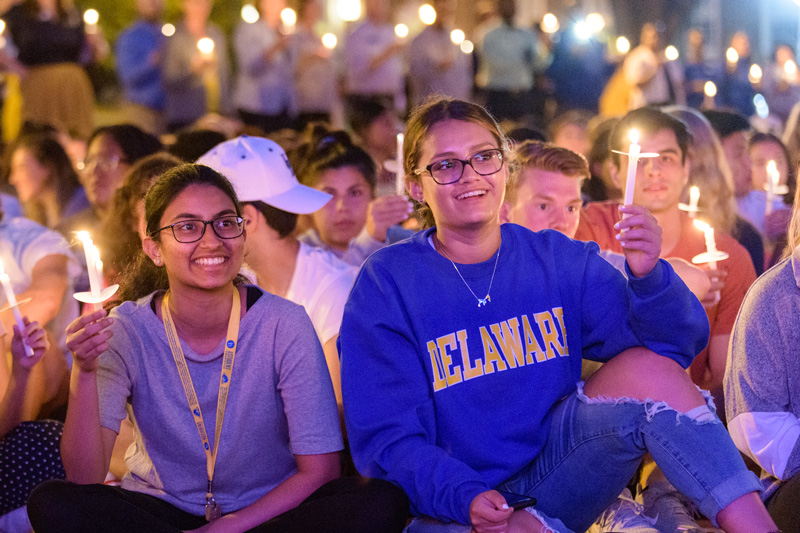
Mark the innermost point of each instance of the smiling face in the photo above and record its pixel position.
(211, 262)
(547, 200)
(474, 200)
(343, 218)
(659, 180)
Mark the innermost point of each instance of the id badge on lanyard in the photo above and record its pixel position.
(213, 509)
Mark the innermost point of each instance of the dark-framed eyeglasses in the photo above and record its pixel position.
(186, 231)
(485, 163)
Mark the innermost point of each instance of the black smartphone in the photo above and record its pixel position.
(518, 501)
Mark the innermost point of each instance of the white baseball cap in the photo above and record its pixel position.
(259, 170)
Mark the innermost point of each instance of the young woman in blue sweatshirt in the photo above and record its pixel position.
(461, 350)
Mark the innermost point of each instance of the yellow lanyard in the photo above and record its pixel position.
(212, 509)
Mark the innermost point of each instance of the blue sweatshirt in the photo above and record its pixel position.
(448, 399)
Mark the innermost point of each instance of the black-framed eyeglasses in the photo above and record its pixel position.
(485, 163)
(186, 231)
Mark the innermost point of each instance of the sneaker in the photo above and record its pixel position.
(625, 515)
(675, 512)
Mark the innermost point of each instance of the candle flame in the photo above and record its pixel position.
(694, 193)
(702, 226)
(710, 88)
(732, 55)
(634, 136)
(289, 16)
(401, 30)
(91, 17)
(84, 236)
(205, 45)
(329, 41)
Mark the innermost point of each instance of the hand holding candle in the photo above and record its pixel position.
(97, 294)
(13, 305)
(711, 255)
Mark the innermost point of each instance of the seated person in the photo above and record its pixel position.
(354, 223)
(41, 268)
(274, 259)
(28, 448)
(168, 361)
(761, 382)
(461, 356)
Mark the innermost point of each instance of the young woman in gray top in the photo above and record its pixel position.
(169, 361)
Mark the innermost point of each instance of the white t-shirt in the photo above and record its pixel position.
(23, 243)
(321, 283)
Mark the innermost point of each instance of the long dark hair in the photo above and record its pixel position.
(143, 277)
(63, 178)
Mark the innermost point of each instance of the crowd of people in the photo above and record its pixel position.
(498, 322)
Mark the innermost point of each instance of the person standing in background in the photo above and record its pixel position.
(507, 61)
(317, 94)
(263, 92)
(139, 52)
(196, 82)
(436, 65)
(50, 37)
(373, 60)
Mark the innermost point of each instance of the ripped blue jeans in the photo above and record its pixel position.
(595, 447)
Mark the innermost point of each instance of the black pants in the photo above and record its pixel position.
(783, 506)
(343, 505)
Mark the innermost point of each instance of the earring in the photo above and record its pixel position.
(157, 261)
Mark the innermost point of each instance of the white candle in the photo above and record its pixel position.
(633, 161)
(773, 180)
(711, 243)
(12, 302)
(400, 185)
(93, 264)
(694, 197)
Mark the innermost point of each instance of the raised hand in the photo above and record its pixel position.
(35, 337)
(640, 237)
(384, 212)
(87, 338)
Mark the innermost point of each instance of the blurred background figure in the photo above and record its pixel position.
(507, 62)
(373, 60)
(376, 128)
(736, 91)
(139, 53)
(316, 90)
(781, 83)
(196, 81)
(652, 79)
(45, 181)
(697, 72)
(264, 85)
(436, 64)
(52, 44)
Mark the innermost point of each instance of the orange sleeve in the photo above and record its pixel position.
(597, 224)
